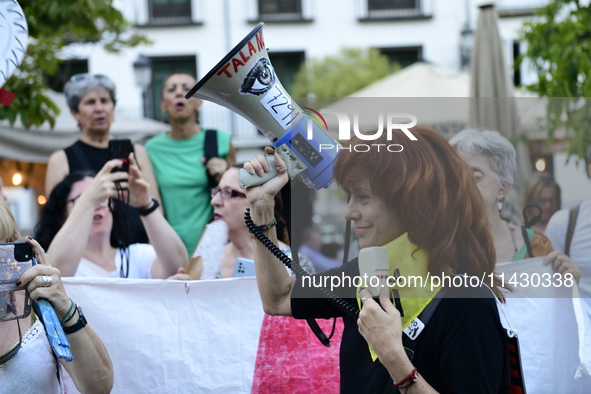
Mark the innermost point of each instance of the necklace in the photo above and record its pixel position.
(513, 238)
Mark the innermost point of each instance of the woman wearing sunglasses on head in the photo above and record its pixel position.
(92, 99)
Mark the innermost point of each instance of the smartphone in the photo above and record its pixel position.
(243, 268)
(15, 258)
(120, 148)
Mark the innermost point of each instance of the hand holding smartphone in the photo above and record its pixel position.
(15, 258)
(120, 148)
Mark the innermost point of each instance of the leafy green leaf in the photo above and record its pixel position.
(53, 25)
(559, 48)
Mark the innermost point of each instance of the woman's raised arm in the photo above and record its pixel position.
(274, 282)
(69, 244)
(169, 248)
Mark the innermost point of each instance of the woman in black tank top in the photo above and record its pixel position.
(92, 100)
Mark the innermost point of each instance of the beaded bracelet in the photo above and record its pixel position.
(70, 313)
(267, 226)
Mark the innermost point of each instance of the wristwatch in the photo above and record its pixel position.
(81, 323)
(151, 208)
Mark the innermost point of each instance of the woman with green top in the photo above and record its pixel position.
(492, 160)
(178, 158)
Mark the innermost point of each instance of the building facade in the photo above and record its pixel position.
(194, 35)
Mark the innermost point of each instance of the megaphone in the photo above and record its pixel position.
(244, 81)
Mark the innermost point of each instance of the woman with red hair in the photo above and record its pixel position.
(422, 205)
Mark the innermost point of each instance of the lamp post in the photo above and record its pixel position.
(143, 78)
(466, 39)
(466, 42)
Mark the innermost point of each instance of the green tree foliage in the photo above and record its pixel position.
(339, 76)
(53, 25)
(559, 47)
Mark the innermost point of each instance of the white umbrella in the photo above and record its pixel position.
(493, 105)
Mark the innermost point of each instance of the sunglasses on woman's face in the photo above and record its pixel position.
(226, 192)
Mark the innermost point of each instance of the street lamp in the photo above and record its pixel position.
(143, 78)
(466, 42)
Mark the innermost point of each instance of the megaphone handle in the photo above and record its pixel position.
(248, 180)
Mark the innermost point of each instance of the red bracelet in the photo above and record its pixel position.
(411, 376)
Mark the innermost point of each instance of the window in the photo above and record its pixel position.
(286, 66)
(280, 10)
(404, 56)
(66, 70)
(161, 69)
(170, 12)
(379, 5)
(518, 8)
(397, 9)
(516, 71)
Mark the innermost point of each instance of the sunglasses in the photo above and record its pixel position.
(226, 193)
(85, 77)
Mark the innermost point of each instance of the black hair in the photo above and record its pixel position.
(54, 214)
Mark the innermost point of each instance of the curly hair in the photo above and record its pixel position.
(433, 193)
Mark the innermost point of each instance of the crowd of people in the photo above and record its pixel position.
(182, 191)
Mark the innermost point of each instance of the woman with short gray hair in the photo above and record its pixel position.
(91, 98)
(494, 146)
(76, 88)
(493, 161)
(501, 155)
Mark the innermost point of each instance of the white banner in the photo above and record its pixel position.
(173, 336)
(550, 337)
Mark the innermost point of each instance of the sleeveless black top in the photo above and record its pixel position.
(83, 157)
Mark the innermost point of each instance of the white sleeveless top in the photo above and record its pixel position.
(33, 369)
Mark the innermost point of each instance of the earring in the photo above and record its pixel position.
(500, 205)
